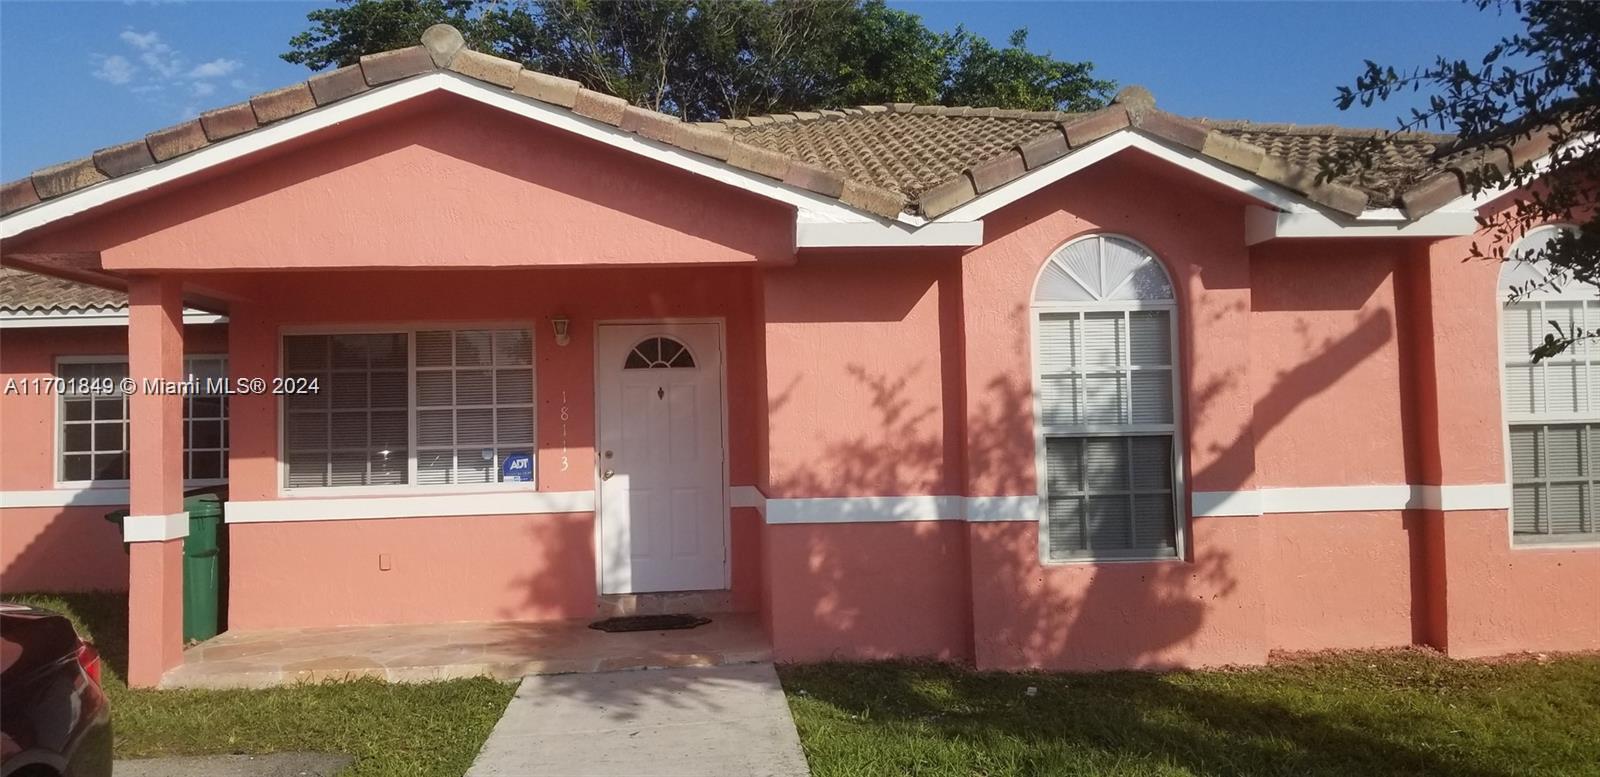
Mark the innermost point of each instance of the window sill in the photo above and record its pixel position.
(1576, 542)
(1103, 560)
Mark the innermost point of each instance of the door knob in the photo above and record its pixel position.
(607, 474)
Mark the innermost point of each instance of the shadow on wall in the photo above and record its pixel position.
(954, 590)
(61, 549)
(869, 586)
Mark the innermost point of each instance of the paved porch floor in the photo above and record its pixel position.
(443, 651)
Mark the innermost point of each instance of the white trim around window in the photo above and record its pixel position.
(110, 485)
(1078, 284)
(1550, 411)
(411, 487)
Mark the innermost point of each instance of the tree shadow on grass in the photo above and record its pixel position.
(1125, 723)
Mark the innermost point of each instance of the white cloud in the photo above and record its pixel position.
(216, 68)
(156, 71)
(143, 41)
(115, 69)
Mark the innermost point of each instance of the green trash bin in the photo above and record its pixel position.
(201, 567)
(202, 583)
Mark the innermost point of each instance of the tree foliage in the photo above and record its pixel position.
(1539, 83)
(702, 60)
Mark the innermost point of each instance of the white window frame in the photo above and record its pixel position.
(410, 487)
(1547, 419)
(60, 421)
(1037, 310)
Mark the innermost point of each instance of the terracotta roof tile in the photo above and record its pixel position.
(25, 292)
(904, 151)
(1401, 163)
(883, 159)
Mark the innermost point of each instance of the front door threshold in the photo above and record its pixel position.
(664, 603)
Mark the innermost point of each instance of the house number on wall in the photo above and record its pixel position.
(565, 414)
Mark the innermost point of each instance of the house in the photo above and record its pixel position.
(1025, 389)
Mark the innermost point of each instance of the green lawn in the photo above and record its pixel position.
(1366, 714)
(429, 729)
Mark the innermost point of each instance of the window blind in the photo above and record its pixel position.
(465, 396)
(1106, 402)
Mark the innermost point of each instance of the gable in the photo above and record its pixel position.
(439, 180)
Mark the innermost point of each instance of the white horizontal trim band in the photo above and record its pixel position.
(884, 509)
(155, 528)
(65, 497)
(1339, 499)
(420, 506)
(747, 496)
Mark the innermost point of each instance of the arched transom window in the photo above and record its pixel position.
(658, 353)
(1552, 408)
(1106, 386)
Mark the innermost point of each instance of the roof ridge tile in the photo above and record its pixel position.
(1001, 158)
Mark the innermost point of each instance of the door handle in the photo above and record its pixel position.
(607, 474)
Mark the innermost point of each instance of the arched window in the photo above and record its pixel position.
(658, 353)
(1552, 408)
(1105, 388)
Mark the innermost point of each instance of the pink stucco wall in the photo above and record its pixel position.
(439, 181)
(896, 373)
(58, 548)
(469, 568)
(863, 393)
(1326, 350)
(1492, 597)
(518, 567)
(1206, 610)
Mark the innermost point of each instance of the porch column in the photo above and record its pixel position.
(157, 524)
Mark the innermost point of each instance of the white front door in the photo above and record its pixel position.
(662, 496)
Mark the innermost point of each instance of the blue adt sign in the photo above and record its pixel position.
(517, 468)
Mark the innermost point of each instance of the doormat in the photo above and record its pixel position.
(650, 623)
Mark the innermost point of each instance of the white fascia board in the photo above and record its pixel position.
(1263, 224)
(71, 318)
(391, 94)
(1103, 148)
(962, 234)
(1473, 202)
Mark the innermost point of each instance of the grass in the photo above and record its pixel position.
(1406, 712)
(426, 729)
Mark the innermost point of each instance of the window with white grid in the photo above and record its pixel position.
(474, 403)
(429, 407)
(1106, 388)
(1553, 407)
(93, 418)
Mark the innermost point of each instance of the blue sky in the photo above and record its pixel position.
(76, 76)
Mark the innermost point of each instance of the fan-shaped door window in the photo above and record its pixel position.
(659, 353)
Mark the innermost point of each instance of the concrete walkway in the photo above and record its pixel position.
(702, 722)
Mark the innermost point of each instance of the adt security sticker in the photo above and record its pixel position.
(517, 468)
